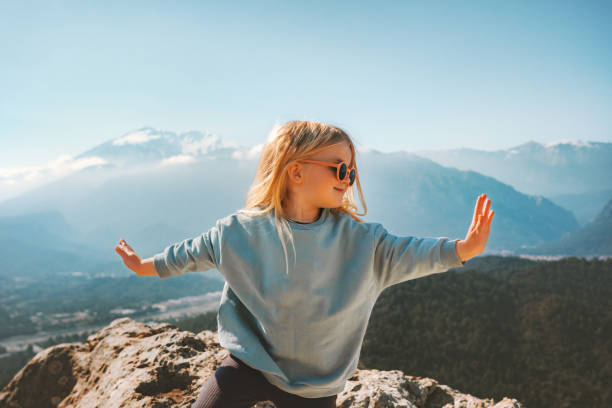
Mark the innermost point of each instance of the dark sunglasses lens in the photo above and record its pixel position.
(351, 177)
(342, 172)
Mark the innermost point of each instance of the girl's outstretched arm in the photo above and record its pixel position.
(401, 258)
(196, 254)
(478, 234)
(142, 267)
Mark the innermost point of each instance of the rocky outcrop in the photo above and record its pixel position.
(132, 364)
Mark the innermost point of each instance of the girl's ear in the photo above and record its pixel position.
(295, 172)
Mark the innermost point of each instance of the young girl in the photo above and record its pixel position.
(302, 271)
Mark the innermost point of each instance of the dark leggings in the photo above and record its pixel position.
(237, 385)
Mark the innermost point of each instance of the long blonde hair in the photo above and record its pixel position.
(292, 141)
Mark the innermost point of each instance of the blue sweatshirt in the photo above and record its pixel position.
(303, 330)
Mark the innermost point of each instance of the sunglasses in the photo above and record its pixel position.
(341, 169)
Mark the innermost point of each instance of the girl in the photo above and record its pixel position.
(294, 320)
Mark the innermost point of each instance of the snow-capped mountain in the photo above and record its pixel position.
(574, 174)
(155, 187)
(411, 195)
(549, 169)
(151, 146)
(142, 148)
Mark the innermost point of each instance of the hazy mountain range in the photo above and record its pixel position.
(154, 188)
(576, 175)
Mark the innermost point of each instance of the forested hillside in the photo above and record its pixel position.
(539, 331)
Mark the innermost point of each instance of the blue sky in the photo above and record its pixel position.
(396, 75)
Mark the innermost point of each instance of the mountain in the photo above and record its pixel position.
(572, 174)
(409, 194)
(147, 145)
(417, 196)
(43, 243)
(148, 237)
(591, 240)
(157, 188)
(132, 364)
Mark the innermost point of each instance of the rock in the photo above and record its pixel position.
(131, 364)
(386, 389)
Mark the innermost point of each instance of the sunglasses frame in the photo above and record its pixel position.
(337, 167)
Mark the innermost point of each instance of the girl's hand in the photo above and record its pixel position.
(129, 256)
(478, 234)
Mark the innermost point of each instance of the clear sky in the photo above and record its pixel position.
(398, 75)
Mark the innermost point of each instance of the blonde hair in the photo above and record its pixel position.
(287, 143)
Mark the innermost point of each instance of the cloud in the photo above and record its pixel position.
(178, 159)
(193, 146)
(273, 134)
(577, 143)
(16, 180)
(135, 138)
(252, 153)
(363, 149)
(201, 146)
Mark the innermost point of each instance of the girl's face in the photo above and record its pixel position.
(321, 186)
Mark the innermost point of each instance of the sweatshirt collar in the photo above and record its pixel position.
(310, 225)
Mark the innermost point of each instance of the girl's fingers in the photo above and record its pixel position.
(122, 243)
(477, 209)
(486, 209)
(122, 250)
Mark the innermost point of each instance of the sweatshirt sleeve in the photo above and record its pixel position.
(191, 255)
(398, 259)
